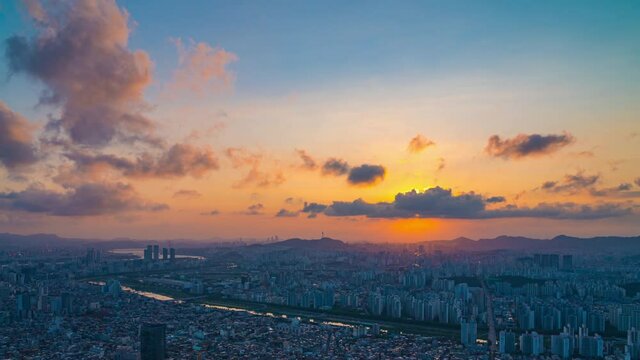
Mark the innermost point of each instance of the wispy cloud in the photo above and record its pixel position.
(419, 143)
(202, 68)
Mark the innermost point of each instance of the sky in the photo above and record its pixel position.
(369, 121)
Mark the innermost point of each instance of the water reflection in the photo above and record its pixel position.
(139, 252)
(160, 297)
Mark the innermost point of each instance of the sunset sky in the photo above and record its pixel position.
(365, 120)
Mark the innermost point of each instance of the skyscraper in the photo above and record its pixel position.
(532, 343)
(172, 254)
(156, 252)
(468, 332)
(507, 342)
(567, 262)
(148, 253)
(165, 253)
(152, 341)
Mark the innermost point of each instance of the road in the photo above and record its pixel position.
(490, 318)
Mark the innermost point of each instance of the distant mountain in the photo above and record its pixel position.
(561, 243)
(558, 243)
(313, 244)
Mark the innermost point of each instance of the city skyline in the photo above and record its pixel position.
(368, 122)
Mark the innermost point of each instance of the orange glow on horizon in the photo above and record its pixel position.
(415, 227)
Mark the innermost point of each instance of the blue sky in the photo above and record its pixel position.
(286, 46)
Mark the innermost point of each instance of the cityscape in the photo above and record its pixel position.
(322, 298)
(300, 179)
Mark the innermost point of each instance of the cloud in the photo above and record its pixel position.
(255, 209)
(16, 140)
(586, 153)
(419, 143)
(202, 68)
(291, 200)
(495, 199)
(313, 208)
(240, 158)
(571, 183)
(442, 203)
(286, 213)
(366, 174)
(564, 211)
(187, 194)
(637, 181)
(439, 202)
(211, 213)
(622, 190)
(336, 167)
(35, 10)
(527, 145)
(441, 164)
(308, 162)
(360, 207)
(90, 199)
(80, 54)
(177, 161)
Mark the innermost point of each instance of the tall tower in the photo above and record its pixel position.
(153, 341)
(148, 253)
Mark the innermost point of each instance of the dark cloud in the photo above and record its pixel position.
(571, 183)
(16, 141)
(637, 181)
(179, 160)
(366, 174)
(308, 162)
(336, 167)
(622, 190)
(187, 194)
(286, 213)
(313, 208)
(419, 143)
(255, 209)
(623, 187)
(439, 202)
(495, 199)
(442, 203)
(360, 207)
(211, 213)
(80, 54)
(89, 199)
(548, 185)
(527, 145)
(563, 211)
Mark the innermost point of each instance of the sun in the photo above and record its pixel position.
(416, 226)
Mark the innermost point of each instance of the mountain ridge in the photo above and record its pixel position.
(503, 242)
